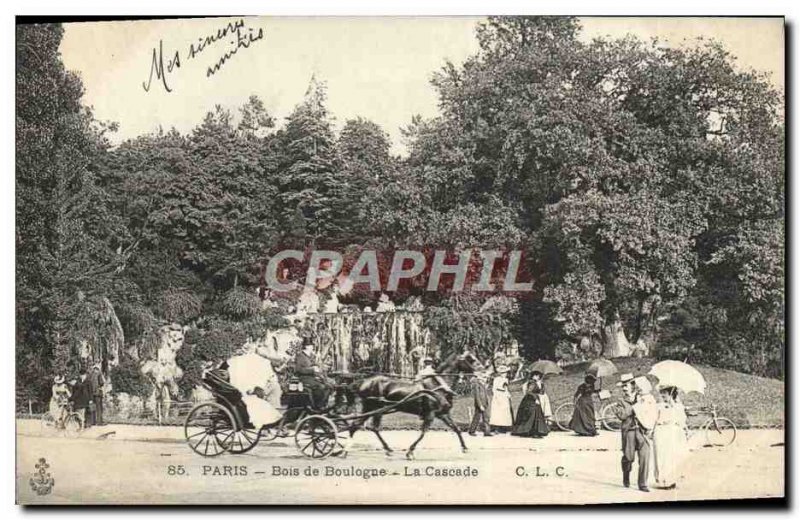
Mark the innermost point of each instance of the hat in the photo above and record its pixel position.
(625, 379)
(502, 369)
(58, 379)
(427, 360)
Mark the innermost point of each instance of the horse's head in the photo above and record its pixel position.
(455, 365)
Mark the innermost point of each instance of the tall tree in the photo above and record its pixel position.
(67, 242)
(309, 175)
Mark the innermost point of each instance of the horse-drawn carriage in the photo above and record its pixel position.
(223, 425)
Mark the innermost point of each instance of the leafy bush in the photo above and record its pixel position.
(239, 303)
(454, 331)
(127, 377)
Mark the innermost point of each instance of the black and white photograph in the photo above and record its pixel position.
(400, 260)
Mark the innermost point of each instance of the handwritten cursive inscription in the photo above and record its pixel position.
(237, 35)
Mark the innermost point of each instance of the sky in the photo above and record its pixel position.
(376, 68)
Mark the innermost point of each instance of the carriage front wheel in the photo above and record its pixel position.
(317, 437)
(209, 429)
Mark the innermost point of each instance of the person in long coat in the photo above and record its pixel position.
(531, 420)
(669, 439)
(501, 416)
(583, 418)
(96, 384)
(480, 398)
(81, 397)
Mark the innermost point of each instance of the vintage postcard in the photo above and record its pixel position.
(400, 260)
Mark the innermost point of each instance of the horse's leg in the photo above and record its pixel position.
(445, 417)
(376, 425)
(426, 423)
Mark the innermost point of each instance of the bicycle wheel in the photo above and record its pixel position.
(609, 417)
(48, 422)
(720, 432)
(563, 415)
(73, 425)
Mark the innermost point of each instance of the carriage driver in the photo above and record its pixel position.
(310, 374)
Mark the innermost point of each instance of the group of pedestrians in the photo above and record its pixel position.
(653, 432)
(84, 395)
(496, 415)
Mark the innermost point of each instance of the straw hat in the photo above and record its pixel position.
(625, 379)
(502, 369)
(58, 379)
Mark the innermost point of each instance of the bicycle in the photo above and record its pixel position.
(71, 422)
(719, 431)
(608, 418)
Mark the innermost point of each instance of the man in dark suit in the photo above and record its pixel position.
(81, 397)
(635, 441)
(480, 397)
(96, 384)
(310, 374)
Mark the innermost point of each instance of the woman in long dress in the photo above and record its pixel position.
(669, 438)
(59, 399)
(583, 418)
(501, 414)
(531, 419)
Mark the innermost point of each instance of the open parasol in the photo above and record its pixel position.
(601, 368)
(679, 374)
(545, 366)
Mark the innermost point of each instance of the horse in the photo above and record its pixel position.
(379, 391)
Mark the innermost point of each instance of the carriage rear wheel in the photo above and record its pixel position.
(209, 428)
(317, 437)
(563, 415)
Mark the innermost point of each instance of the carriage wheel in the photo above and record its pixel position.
(609, 417)
(208, 429)
(563, 415)
(317, 437)
(239, 441)
(720, 432)
(73, 425)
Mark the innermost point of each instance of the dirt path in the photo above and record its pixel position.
(562, 468)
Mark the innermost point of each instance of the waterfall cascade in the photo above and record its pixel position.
(385, 342)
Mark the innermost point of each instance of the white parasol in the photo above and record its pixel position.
(679, 374)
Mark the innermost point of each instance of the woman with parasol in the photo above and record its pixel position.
(583, 420)
(669, 434)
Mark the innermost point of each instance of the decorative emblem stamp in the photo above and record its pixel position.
(41, 481)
